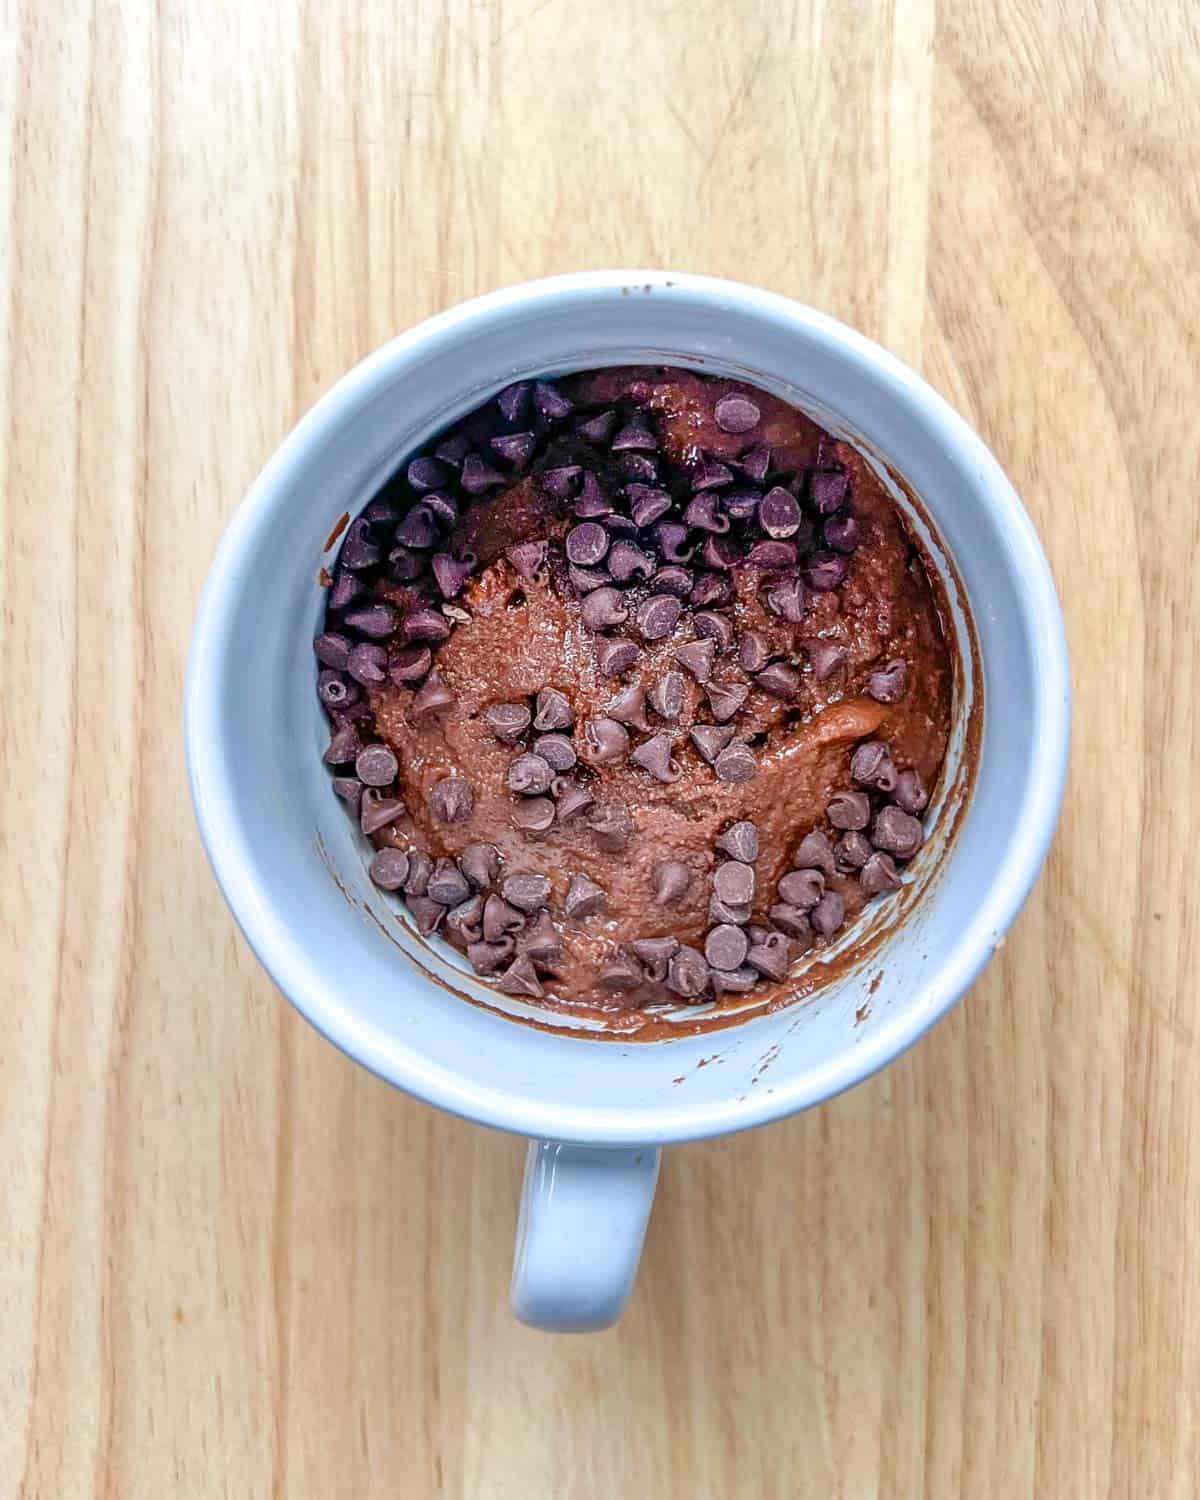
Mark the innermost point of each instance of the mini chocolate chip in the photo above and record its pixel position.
(584, 897)
(478, 476)
(635, 435)
(827, 489)
(687, 973)
(734, 882)
(533, 814)
(740, 841)
(344, 745)
(604, 742)
(780, 680)
(667, 696)
(591, 501)
(737, 981)
(526, 892)
(426, 625)
(411, 665)
(627, 561)
(792, 920)
(711, 626)
(418, 529)
(552, 710)
(520, 978)
(332, 650)
(879, 874)
(466, 919)
(786, 599)
(346, 589)
(442, 507)
(514, 448)
(487, 958)
(432, 698)
(571, 797)
(586, 543)
(719, 552)
(513, 400)
(406, 565)
(852, 850)
(611, 824)
(452, 800)
(335, 692)
(725, 946)
(448, 884)
(367, 663)
(377, 811)
(615, 656)
(654, 755)
(647, 503)
(842, 533)
(377, 766)
(528, 558)
(629, 707)
(670, 879)
(602, 609)
(897, 832)
(550, 403)
(556, 750)
(529, 775)
(427, 913)
(848, 810)
(824, 571)
(711, 739)
(670, 537)
(802, 888)
(597, 429)
(507, 721)
(389, 869)
(560, 481)
(480, 863)
(658, 616)
(710, 475)
(910, 794)
(771, 956)
(871, 765)
(828, 914)
(814, 852)
(350, 790)
(500, 919)
(722, 911)
(825, 657)
(725, 698)
(420, 868)
(542, 942)
(779, 513)
(674, 580)
(621, 972)
(450, 574)
(705, 514)
(655, 954)
(753, 651)
(736, 413)
(888, 685)
(697, 657)
(359, 550)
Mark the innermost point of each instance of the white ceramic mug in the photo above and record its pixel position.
(293, 868)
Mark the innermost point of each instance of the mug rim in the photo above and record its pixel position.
(269, 934)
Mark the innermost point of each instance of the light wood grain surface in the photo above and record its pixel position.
(233, 1264)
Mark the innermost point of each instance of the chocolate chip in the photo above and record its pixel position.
(658, 616)
(740, 841)
(655, 954)
(450, 574)
(605, 742)
(367, 663)
(737, 981)
(871, 765)
(757, 934)
(697, 657)
(487, 958)
(779, 513)
(733, 882)
(418, 529)
(332, 650)
(602, 609)
(814, 852)
(635, 435)
(466, 919)
(879, 874)
(621, 972)
(478, 476)
(627, 561)
(411, 665)
(377, 766)
(852, 851)
(719, 552)
(350, 790)
(550, 403)
(335, 692)
(771, 956)
(755, 463)
(897, 832)
(433, 697)
(654, 755)
(791, 920)
(427, 473)
(705, 514)
(426, 625)
(377, 811)
(722, 911)
(359, 550)
(560, 481)
(533, 814)
(520, 978)
(780, 680)
(848, 810)
(725, 946)
(786, 599)
(406, 565)
(528, 558)
(824, 571)
(500, 919)
(448, 884)
(587, 580)
(640, 468)
(710, 475)
(711, 626)
(480, 863)
(382, 513)
(736, 414)
(591, 501)
(629, 707)
(571, 797)
(526, 892)
(586, 543)
(646, 504)
(842, 533)
(802, 888)
(529, 775)
(827, 489)
(513, 400)
(507, 721)
(828, 914)
(711, 739)
(443, 507)
(910, 794)
(389, 869)
(776, 557)
(670, 537)
(552, 710)
(420, 868)
(725, 698)
(711, 588)
(888, 685)
(753, 651)
(426, 913)
(584, 897)
(597, 429)
(687, 973)
(674, 580)
(344, 745)
(452, 800)
(825, 657)
(670, 879)
(614, 657)
(346, 589)
(453, 449)
(542, 942)
(556, 750)
(611, 824)
(667, 696)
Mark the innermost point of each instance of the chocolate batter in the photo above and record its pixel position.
(638, 684)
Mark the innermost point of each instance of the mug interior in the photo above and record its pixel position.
(293, 868)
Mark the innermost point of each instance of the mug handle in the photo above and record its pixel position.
(583, 1218)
